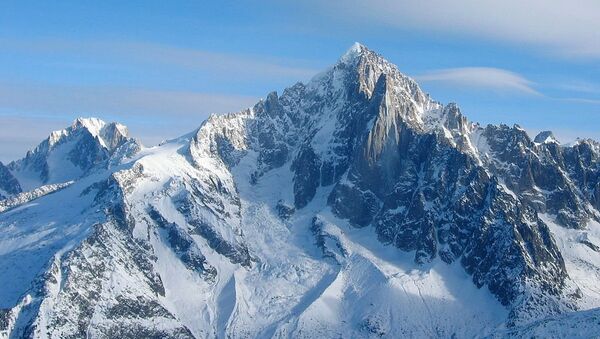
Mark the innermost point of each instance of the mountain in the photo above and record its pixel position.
(66, 155)
(350, 206)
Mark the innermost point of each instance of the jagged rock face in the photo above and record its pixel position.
(551, 178)
(319, 126)
(259, 223)
(423, 193)
(582, 162)
(8, 183)
(406, 165)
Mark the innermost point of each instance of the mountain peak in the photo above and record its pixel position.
(545, 137)
(356, 50)
(108, 134)
(70, 153)
(96, 125)
(91, 124)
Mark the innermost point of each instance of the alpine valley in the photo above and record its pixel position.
(352, 206)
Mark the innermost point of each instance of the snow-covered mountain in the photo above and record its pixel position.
(67, 155)
(350, 206)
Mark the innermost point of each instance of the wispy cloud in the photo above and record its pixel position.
(569, 28)
(501, 80)
(581, 100)
(481, 77)
(54, 99)
(579, 86)
(213, 62)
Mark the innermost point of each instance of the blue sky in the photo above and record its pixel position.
(161, 67)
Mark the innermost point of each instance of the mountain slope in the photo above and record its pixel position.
(8, 183)
(353, 205)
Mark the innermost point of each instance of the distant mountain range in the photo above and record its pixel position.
(350, 206)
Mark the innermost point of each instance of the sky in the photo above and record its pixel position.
(161, 67)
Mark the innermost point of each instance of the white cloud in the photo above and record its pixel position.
(579, 86)
(54, 99)
(216, 63)
(564, 27)
(581, 100)
(480, 77)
